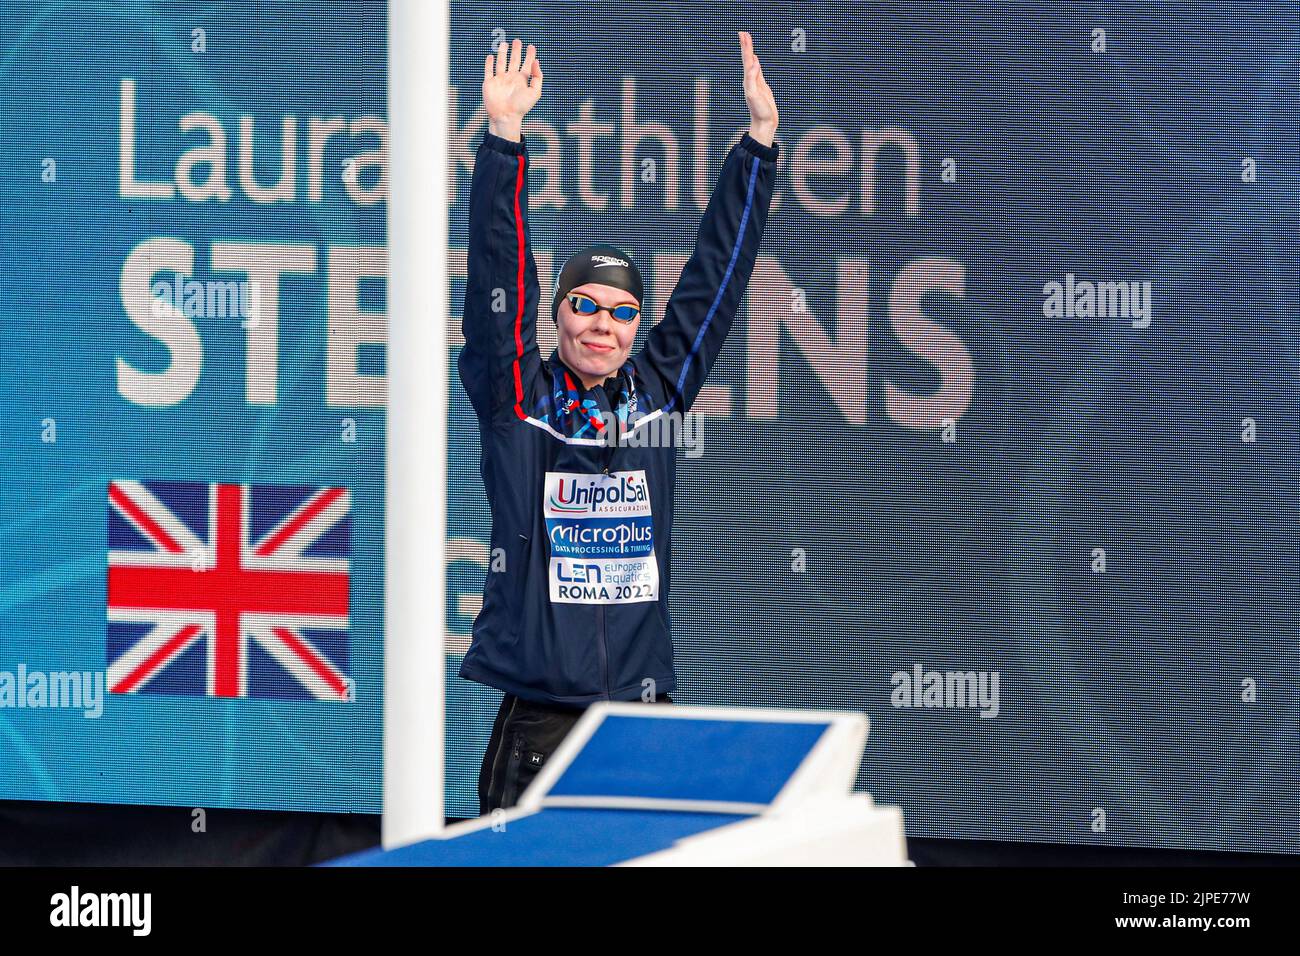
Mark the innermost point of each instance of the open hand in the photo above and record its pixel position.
(512, 84)
(758, 95)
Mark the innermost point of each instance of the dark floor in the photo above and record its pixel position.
(71, 834)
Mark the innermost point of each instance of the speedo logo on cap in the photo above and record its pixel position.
(608, 261)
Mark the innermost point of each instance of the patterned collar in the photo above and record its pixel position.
(568, 409)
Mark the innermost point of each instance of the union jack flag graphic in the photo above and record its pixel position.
(228, 590)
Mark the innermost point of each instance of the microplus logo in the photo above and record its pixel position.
(75, 908)
(35, 689)
(951, 689)
(623, 535)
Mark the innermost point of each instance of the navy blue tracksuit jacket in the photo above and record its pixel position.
(580, 611)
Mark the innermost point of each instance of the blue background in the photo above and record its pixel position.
(1119, 691)
(62, 248)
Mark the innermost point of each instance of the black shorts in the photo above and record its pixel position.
(524, 734)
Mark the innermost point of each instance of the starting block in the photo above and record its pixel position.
(634, 785)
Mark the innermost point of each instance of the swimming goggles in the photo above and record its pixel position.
(583, 305)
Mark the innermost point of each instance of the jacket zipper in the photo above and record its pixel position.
(602, 648)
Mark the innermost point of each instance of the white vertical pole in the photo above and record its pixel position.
(415, 524)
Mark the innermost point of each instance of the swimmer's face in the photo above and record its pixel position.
(596, 346)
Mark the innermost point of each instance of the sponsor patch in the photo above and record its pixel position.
(601, 533)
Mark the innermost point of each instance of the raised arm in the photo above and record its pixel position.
(501, 291)
(680, 350)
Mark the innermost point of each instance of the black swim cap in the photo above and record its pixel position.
(605, 265)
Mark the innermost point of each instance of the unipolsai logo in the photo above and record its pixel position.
(574, 494)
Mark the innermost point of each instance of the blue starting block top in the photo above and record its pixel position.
(629, 781)
(706, 761)
(563, 836)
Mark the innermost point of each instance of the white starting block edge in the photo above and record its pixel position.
(825, 831)
(815, 819)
